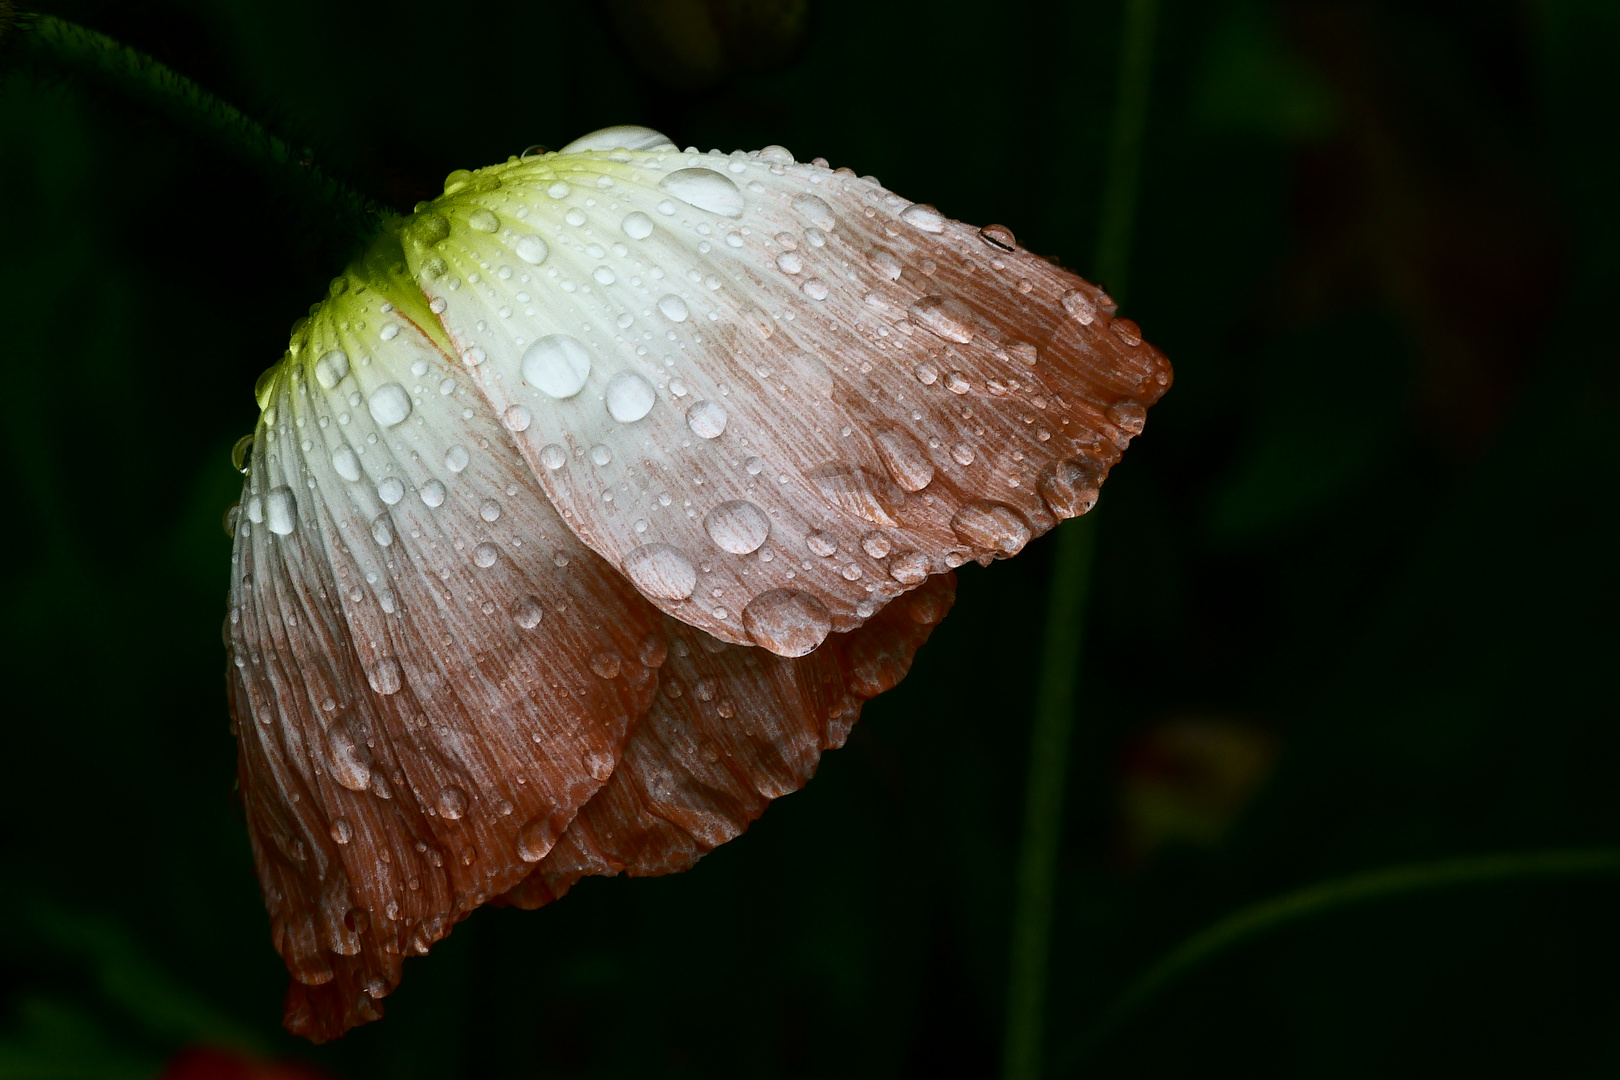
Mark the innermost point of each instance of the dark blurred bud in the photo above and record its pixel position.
(208, 1063)
(1186, 780)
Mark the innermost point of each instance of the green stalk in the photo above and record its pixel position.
(1051, 733)
(58, 45)
(1329, 897)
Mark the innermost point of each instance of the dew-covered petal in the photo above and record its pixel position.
(731, 729)
(844, 360)
(412, 634)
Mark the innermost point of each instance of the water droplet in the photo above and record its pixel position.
(1070, 488)
(857, 491)
(905, 459)
(789, 262)
(490, 511)
(629, 397)
(559, 189)
(927, 374)
(485, 554)
(280, 511)
(607, 664)
(816, 211)
(998, 236)
(1079, 305)
(673, 307)
(705, 190)
(963, 453)
(384, 677)
(332, 368)
(991, 526)
(526, 612)
(1130, 416)
(706, 419)
(531, 249)
(957, 383)
(346, 463)
(239, 454)
(557, 365)
(452, 802)
(661, 571)
(924, 217)
(553, 456)
(575, 217)
(483, 220)
(428, 229)
(389, 404)
(382, 530)
(601, 455)
(390, 490)
(949, 319)
(909, 567)
(389, 332)
(787, 623)
(1127, 331)
(536, 839)
(603, 276)
(815, 289)
(349, 765)
(433, 493)
(342, 831)
(821, 543)
(517, 418)
(875, 544)
(737, 526)
(456, 458)
(885, 263)
(637, 226)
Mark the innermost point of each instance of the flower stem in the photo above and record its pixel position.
(58, 45)
(1023, 1049)
(1329, 897)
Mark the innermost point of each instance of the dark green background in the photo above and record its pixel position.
(1373, 526)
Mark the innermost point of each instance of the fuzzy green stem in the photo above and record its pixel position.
(1329, 897)
(56, 44)
(1050, 736)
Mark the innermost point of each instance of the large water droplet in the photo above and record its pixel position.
(389, 404)
(553, 456)
(452, 802)
(456, 458)
(620, 137)
(885, 262)
(483, 220)
(661, 571)
(1129, 415)
(527, 612)
(517, 418)
(637, 226)
(738, 526)
(390, 490)
(816, 211)
(673, 307)
(998, 236)
(531, 249)
(1079, 305)
(331, 368)
(629, 397)
(859, 492)
(346, 463)
(433, 493)
(924, 217)
(991, 526)
(1069, 488)
(536, 839)
(607, 664)
(909, 567)
(950, 319)
(349, 765)
(382, 530)
(705, 190)
(556, 365)
(787, 623)
(485, 554)
(905, 459)
(384, 676)
(706, 419)
(280, 511)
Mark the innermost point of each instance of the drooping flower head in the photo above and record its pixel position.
(590, 505)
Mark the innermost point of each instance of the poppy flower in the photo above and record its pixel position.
(590, 505)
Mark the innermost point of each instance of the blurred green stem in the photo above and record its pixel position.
(1023, 1051)
(57, 45)
(1329, 897)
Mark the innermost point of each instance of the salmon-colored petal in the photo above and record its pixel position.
(774, 394)
(430, 674)
(732, 728)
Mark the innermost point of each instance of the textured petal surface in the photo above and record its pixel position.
(774, 394)
(732, 728)
(430, 674)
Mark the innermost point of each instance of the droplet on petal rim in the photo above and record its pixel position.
(706, 190)
(786, 622)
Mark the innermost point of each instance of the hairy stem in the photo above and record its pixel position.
(1025, 1037)
(1328, 897)
(58, 45)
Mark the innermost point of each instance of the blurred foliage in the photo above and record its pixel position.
(1368, 541)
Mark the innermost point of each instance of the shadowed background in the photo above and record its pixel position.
(1355, 597)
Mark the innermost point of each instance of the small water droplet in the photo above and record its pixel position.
(924, 217)
(909, 567)
(517, 418)
(1079, 305)
(821, 543)
(390, 489)
(559, 189)
(963, 453)
(332, 368)
(345, 463)
(280, 511)
(342, 831)
(1069, 488)
(526, 612)
(706, 419)
(815, 289)
(991, 526)
(1128, 415)
(905, 459)
(452, 802)
(637, 226)
(485, 554)
(949, 319)
(384, 676)
(456, 458)
(600, 454)
(239, 454)
(673, 307)
(875, 544)
(786, 622)
(490, 511)
(531, 249)
(629, 397)
(553, 456)
(816, 211)
(789, 262)
(602, 275)
(382, 530)
(433, 493)
(607, 664)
